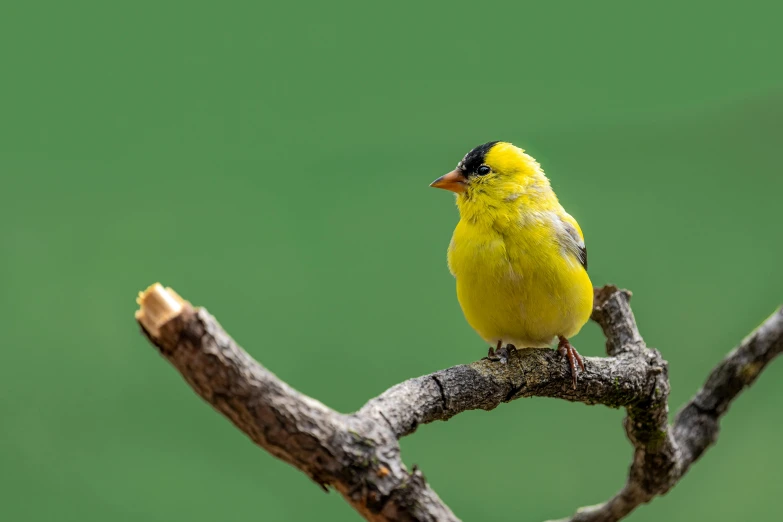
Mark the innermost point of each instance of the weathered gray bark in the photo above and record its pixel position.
(358, 454)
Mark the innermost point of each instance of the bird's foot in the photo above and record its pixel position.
(564, 348)
(491, 353)
(501, 353)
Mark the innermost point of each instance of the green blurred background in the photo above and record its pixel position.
(271, 163)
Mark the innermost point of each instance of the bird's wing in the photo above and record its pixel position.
(573, 240)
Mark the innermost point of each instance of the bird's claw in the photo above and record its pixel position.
(564, 348)
(501, 353)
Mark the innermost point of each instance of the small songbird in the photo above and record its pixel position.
(518, 257)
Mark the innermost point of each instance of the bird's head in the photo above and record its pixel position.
(495, 175)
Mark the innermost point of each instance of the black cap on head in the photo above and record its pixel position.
(473, 159)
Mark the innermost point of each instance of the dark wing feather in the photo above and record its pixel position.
(574, 242)
(583, 256)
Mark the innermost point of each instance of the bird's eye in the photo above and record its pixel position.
(482, 170)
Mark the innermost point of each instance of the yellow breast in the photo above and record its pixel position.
(515, 283)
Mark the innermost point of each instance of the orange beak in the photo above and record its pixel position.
(453, 181)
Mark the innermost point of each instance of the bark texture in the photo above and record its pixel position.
(358, 454)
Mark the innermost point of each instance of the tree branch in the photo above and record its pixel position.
(663, 453)
(359, 454)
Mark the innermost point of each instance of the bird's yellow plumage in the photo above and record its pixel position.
(518, 257)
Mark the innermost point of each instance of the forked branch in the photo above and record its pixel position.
(358, 454)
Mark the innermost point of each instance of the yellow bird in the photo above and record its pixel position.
(518, 257)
